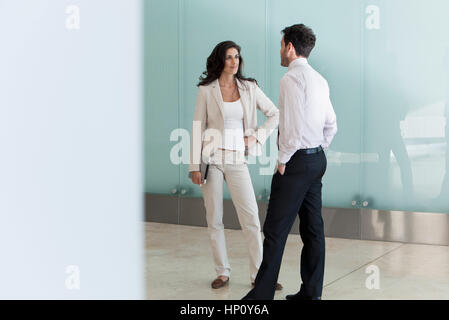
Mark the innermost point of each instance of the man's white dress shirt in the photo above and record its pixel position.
(306, 116)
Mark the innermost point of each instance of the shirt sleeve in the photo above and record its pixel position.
(290, 105)
(330, 126)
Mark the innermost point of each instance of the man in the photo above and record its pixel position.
(307, 125)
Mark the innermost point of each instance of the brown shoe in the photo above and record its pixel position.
(218, 283)
(278, 286)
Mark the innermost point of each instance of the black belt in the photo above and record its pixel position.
(309, 151)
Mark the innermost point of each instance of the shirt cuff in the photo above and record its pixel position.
(284, 157)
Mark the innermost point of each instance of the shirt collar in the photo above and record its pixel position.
(297, 62)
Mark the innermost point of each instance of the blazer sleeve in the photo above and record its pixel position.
(198, 127)
(270, 111)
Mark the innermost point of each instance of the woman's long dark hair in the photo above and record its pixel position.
(216, 62)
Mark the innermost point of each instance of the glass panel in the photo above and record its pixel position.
(406, 77)
(388, 70)
(161, 96)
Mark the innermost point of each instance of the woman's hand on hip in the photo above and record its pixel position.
(250, 141)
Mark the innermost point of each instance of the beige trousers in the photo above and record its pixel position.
(232, 167)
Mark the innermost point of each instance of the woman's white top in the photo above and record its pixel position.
(233, 126)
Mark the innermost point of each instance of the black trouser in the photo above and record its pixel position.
(298, 191)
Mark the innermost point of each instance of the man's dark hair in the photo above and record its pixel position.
(302, 38)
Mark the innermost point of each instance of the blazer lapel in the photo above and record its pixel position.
(244, 100)
(218, 97)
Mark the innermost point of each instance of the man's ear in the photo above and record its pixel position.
(290, 47)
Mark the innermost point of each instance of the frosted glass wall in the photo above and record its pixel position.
(387, 64)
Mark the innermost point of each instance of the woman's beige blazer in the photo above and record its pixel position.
(208, 121)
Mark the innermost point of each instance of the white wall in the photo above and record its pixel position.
(70, 150)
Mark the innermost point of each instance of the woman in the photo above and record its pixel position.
(224, 131)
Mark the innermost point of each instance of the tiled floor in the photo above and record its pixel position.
(179, 266)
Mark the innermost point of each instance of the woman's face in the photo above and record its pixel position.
(231, 61)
